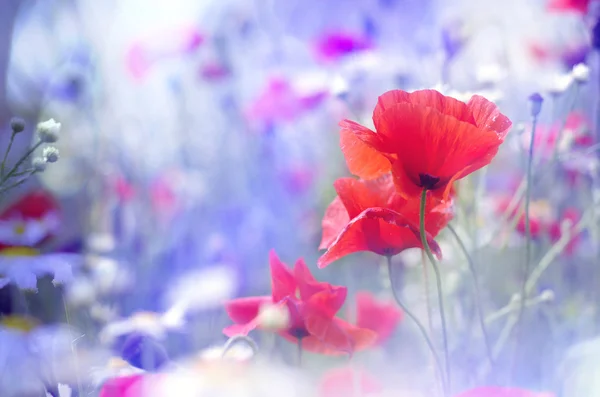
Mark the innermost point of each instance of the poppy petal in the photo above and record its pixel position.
(488, 116)
(244, 310)
(362, 159)
(424, 98)
(380, 317)
(240, 329)
(364, 233)
(328, 302)
(428, 142)
(335, 219)
(283, 282)
(358, 195)
(329, 297)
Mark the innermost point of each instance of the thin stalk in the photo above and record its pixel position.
(237, 339)
(421, 327)
(438, 280)
(528, 241)
(10, 143)
(480, 316)
(21, 161)
(299, 352)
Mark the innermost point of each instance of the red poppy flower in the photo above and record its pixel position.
(427, 140)
(380, 317)
(374, 216)
(578, 6)
(312, 306)
(501, 392)
(342, 382)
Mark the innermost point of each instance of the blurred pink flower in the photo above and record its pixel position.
(279, 102)
(577, 6)
(342, 382)
(146, 51)
(333, 46)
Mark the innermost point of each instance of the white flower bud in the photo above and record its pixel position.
(51, 154)
(547, 295)
(559, 84)
(48, 131)
(581, 73)
(39, 164)
(273, 317)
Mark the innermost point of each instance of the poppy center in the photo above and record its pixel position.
(19, 229)
(428, 182)
(298, 333)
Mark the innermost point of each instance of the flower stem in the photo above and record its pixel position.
(527, 235)
(14, 169)
(237, 339)
(299, 352)
(10, 143)
(419, 325)
(486, 337)
(438, 280)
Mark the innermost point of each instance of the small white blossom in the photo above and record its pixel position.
(48, 131)
(581, 73)
(559, 84)
(39, 164)
(339, 86)
(51, 154)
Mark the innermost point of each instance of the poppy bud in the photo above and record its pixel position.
(536, 104)
(17, 125)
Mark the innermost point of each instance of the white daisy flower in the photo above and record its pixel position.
(22, 266)
(20, 231)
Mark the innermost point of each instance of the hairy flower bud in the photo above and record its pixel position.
(51, 154)
(17, 124)
(48, 131)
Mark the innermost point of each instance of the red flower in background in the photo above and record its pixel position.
(343, 382)
(501, 392)
(578, 6)
(30, 222)
(374, 216)
(427, 140)
(378, 316)
(312, 306)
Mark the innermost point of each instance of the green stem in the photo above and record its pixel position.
(438, 280)
(421, 327)
(527, 234)
(299, 352)
(486, 337)
(21, 161)
(10, 143)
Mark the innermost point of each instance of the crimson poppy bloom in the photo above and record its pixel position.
(427, 140)
(374, 216)
(494, 391)
(311, 305)
(577, 6)
(378, 316)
